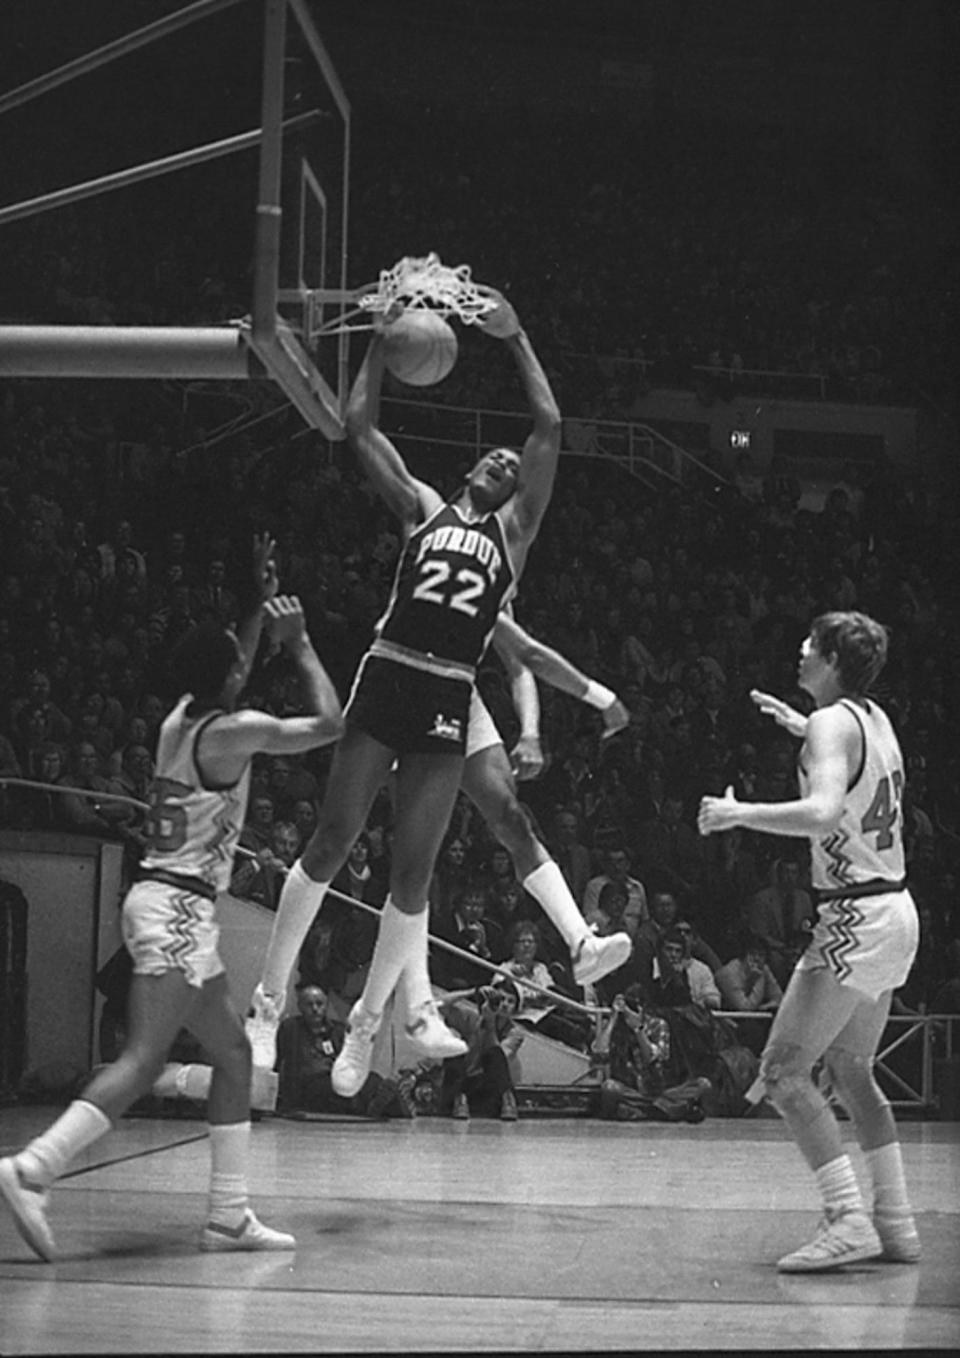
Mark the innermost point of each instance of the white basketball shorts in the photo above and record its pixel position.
(868, 942)
(165, 927)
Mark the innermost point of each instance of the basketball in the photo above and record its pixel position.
(420, 348)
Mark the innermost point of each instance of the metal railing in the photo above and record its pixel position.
(639, 449)
(916, 1035)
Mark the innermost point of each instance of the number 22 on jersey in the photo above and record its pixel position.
(434, 586)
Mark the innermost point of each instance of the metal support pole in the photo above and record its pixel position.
(125, 351)
(135, 174)
(269, 214)
(118, 48)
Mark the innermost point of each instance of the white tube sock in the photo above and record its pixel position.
(415, 977)
(838, 1186)
(885, 1166)
(228, 1200)
(300, 900)
(548, 886)
(47, 1155)
(399, 940)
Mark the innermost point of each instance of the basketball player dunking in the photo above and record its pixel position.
(410, 702)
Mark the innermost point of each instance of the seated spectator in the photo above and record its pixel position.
(669, 850)
(88, 727)
(679, 979)
(134, 781)
(30, 738)
(508, 905)
(697, 946)
(617, 869)
(782, 914)
(469, 929)
(746, 982)
(451, 876)
(213, 598)
(272, 866)
(499, 868)
(339, 944)
(634, 1043)
(257, 832)
(132, 732)
(304, 816)
(89, 815)
(634, 1049)
(290, 781)
(57, 726)
(35, 808)
(664, 916)
(308, 1043)
(571, 855)
(257, 837)
(535, 1009)
(480, 1083)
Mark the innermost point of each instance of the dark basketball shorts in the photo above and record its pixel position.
(410, 710)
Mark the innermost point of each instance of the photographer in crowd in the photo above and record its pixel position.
(480, 1082)
(634, 1045)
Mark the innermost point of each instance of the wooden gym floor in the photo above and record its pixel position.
(546, 1234)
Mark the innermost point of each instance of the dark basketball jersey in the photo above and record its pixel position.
(452, 579)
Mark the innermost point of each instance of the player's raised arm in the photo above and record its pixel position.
(265, 585)
(782, 713)
(541, 451)
(230, 741)
(410, 499)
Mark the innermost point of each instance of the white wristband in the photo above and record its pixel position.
(598, 696)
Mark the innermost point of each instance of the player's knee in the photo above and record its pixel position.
(851, 1077)
(786, 1075)
(511, 825)
(409, 882)
(327, 848)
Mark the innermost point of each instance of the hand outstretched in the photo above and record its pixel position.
(286, 624)
(266, 579)
(782, 713)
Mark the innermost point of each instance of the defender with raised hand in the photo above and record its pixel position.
(198, 800)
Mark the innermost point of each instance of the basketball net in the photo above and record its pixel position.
(425, 284)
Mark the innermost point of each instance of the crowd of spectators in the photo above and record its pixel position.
(115, 540)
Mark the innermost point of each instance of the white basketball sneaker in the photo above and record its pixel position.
(597, 957)
(430, 1036)
(28, 1204)
(352, 1066)
(261, 1027)
(845, 1239)
(250, 1235)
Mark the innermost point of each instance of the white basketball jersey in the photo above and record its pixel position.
(193, 830)
(868, 842)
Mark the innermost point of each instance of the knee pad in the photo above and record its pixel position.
(785, 1075)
